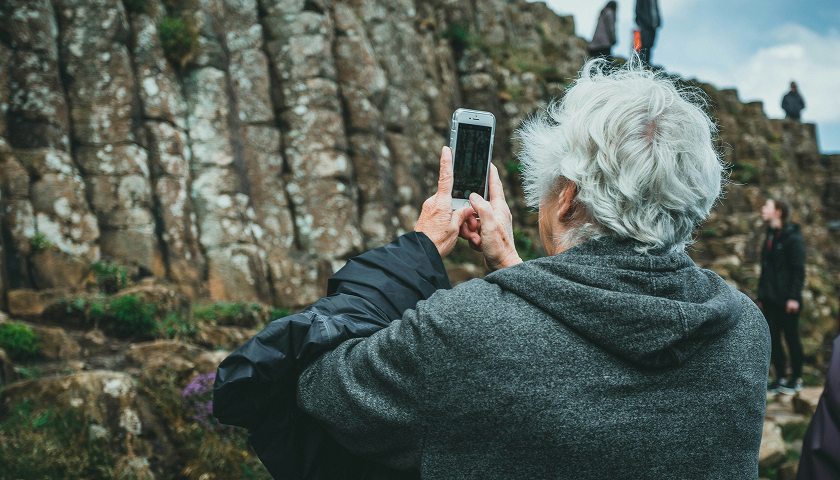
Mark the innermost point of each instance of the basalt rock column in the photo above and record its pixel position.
(163, 134)
(43, 192)
(94, 45)
(226, 217)
(315, 145)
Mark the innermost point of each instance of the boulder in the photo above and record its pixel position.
(773, 449)
(805, 402)
(31, 303)
(224, 337)
(165, 298)
(95, 337)
(209, 361)
(56, 269)
(108, 401)
(56, 344)
(162, 357)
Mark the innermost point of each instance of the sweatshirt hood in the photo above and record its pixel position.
(654, 310)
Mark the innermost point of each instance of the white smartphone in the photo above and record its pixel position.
(471, 141)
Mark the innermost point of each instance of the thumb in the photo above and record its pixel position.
(482, 207)
(460, 216)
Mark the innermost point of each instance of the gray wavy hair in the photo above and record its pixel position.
(639, 150)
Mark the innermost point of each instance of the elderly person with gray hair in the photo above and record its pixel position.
(613, 357)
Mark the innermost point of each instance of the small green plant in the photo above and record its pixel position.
(525, 246)
(30, 373)
(39, 243)
(743, 173)
(812, 379)
(460, 38)
(279, 313)
(515, 92)
(97, 311)
(229, 313)
(179, 38)
(52, 443)
(110, 277)
(19, 341)
(793, 431)
(513, 166)
(132, 316)
(178, 326)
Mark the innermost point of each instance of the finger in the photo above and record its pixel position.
(472, 223)
(446, 179)
(483, 208)
(459, 217)
(471, 236)
(497, 191)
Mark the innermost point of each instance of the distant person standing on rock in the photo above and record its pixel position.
(792, 103)
(604, 38)
(648, 20)
(780, 291)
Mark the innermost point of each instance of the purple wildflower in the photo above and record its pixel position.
(198, 396)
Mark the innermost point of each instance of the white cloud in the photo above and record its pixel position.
(810, 59)
(759, 63)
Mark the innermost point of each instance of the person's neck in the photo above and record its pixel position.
(776, 224)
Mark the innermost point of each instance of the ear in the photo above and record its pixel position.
(565, 201)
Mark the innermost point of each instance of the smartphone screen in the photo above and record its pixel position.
(472, 149)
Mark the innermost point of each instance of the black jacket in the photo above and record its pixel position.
(782, 267)
(792, 104)
(647, 14)
(255, 386)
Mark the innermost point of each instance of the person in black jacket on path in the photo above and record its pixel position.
(780, 291)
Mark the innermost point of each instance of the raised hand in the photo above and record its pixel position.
(437, 220)
(492, 232)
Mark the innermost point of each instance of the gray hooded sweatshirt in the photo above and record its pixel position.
(595, 363)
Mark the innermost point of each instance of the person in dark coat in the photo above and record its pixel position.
(820, 458)
(648, 20)
(604, 37)
(792, 103)
(780, 291)
(609, 357)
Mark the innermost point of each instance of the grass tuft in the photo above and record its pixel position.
(19, 341)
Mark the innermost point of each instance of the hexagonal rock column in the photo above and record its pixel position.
(164, 136)
(100, 82)
(320, 172)
(44, 192)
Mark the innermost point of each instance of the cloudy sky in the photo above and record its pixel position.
(755, 46)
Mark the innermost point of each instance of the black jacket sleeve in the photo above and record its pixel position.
(255, 386)
(796, 265)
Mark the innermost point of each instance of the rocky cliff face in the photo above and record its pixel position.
(240, 151)
(289, 136)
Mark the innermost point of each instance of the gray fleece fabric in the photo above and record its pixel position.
(596, 363)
